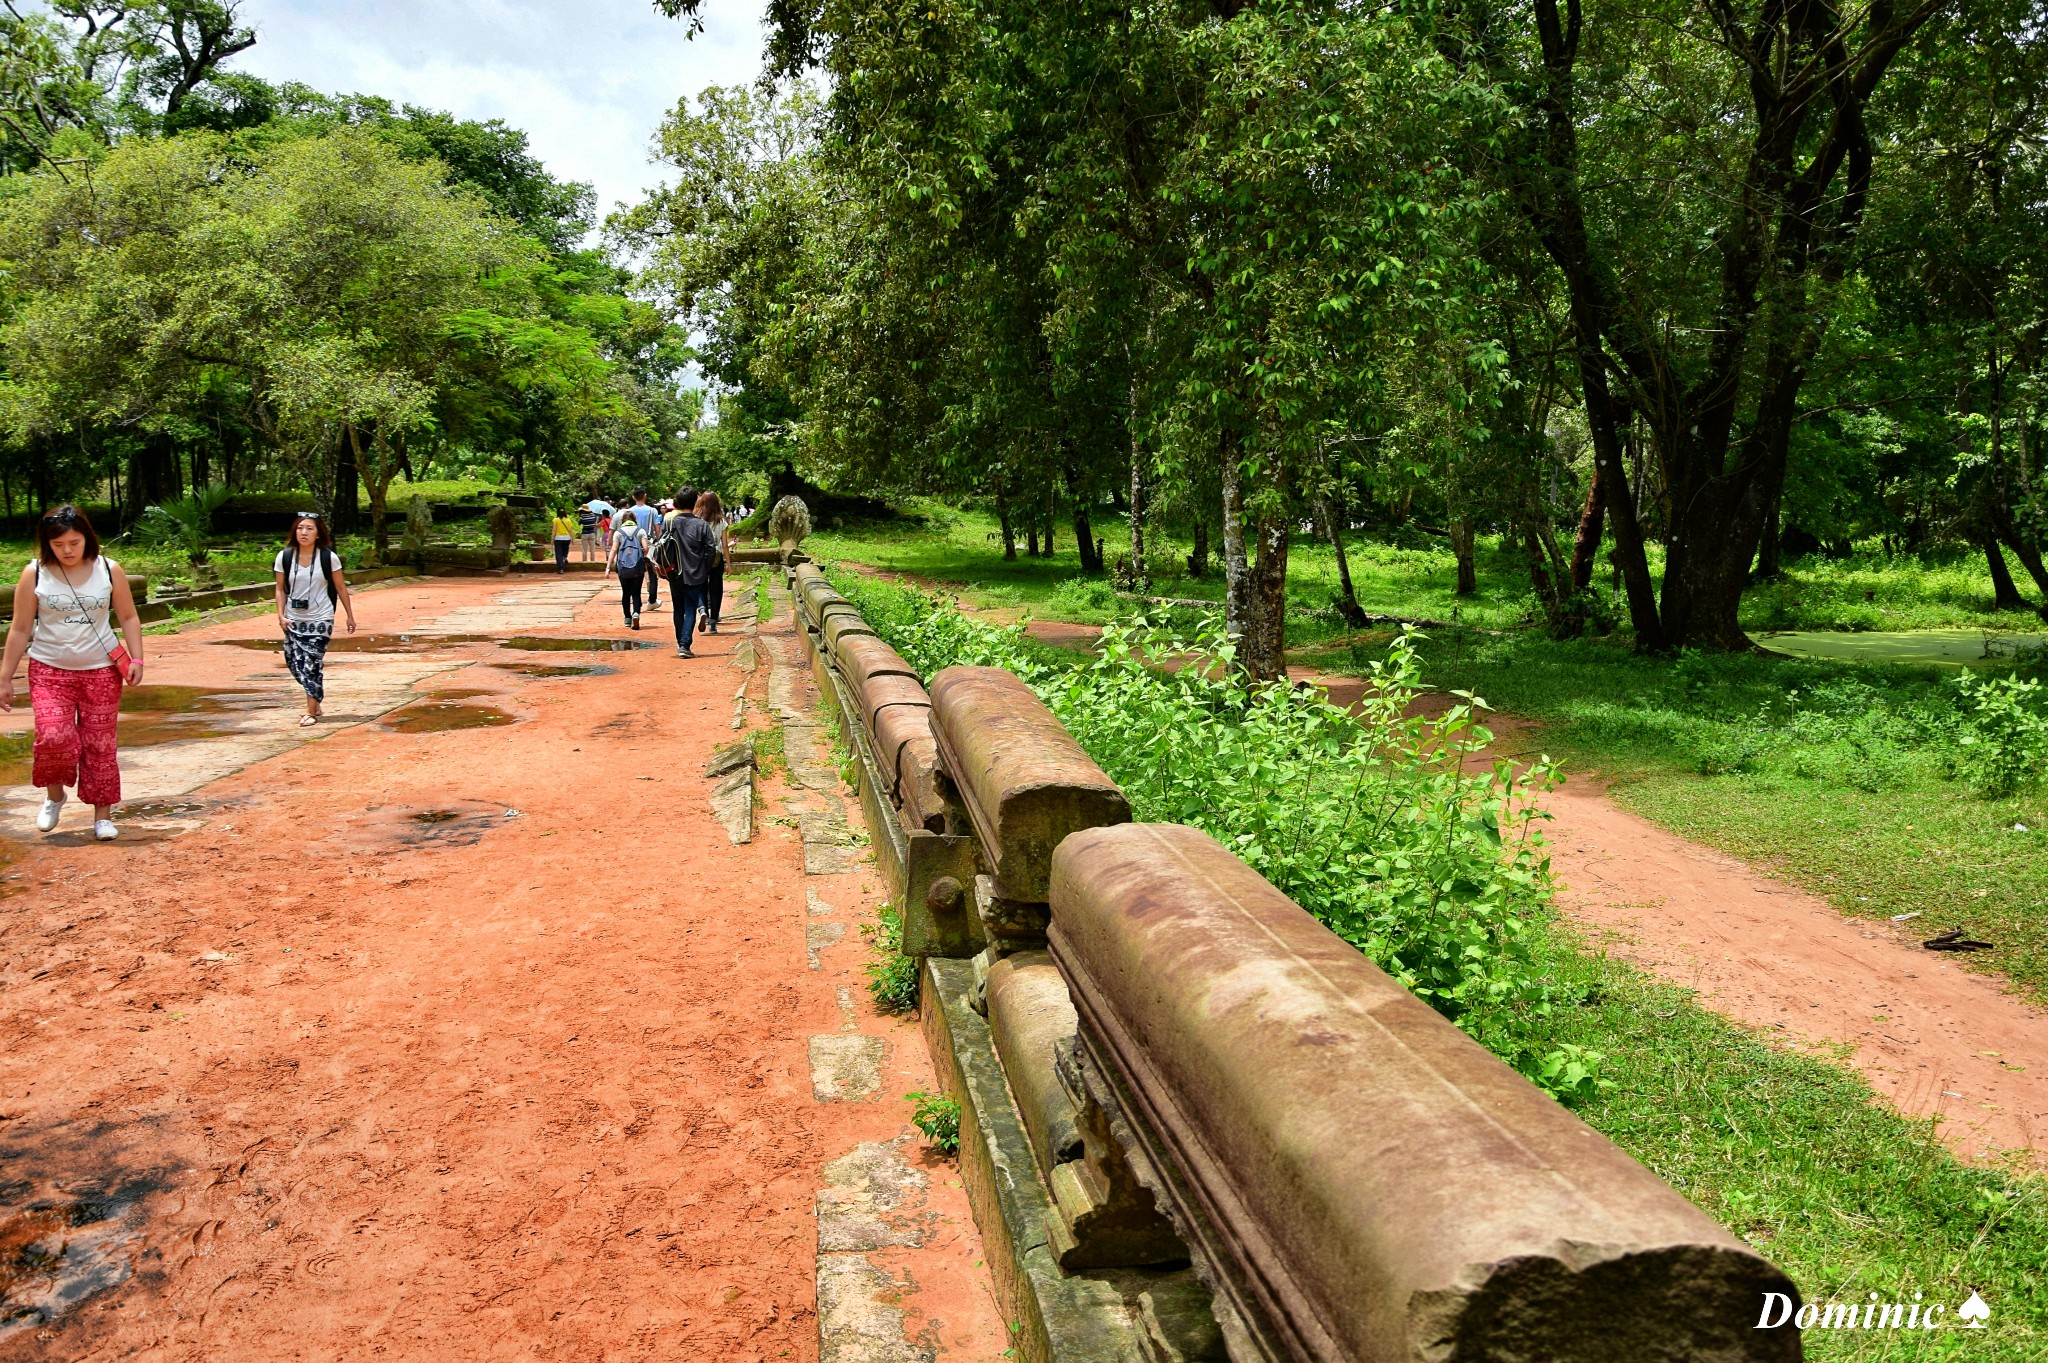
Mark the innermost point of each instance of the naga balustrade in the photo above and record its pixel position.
(1204, 1073)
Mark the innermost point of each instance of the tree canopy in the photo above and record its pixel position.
(1703, 286)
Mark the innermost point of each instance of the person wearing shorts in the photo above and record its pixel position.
(76, 665)
(309, 586)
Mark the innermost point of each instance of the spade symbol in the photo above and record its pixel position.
(1974, 1311)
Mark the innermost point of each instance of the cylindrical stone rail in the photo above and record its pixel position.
(1361, 1180)
(1024, 780)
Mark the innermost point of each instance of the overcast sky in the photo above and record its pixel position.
(588, 80)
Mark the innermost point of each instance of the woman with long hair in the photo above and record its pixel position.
(310, 585)
(711, 511)
(75, 665)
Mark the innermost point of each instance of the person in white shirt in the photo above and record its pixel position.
(310, 584)
(628, 558)
(75, 665)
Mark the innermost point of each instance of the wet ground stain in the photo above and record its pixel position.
(535, 643)
(422, 643)
(555, 669)
(461, 823)
(60, 1244)
(368, 643)
(150, 715)
(444, 716)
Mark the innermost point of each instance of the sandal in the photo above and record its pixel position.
(309, 721)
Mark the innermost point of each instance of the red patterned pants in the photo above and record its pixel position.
(75, 717)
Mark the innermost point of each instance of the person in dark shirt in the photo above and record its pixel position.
(696, 545)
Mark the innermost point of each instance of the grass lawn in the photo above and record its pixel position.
(1791, 1151)
(1832, 775)
(1414, 575)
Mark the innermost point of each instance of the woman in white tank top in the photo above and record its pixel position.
(64, 605)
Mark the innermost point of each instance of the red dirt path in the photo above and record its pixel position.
(536, 1086)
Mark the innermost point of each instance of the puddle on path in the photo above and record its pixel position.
(368, 643)
(151, 715)
(462, 823)
(539, 644)
(421, 643)
(56, 1250)
(443, 716)
(555, 669)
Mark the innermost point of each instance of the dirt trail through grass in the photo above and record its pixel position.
(432, 1041)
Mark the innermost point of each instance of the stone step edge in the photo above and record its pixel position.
(1100, 1316)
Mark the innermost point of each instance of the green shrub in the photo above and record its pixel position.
(892, 976)
(1083, 597)
(1386, 826)
(938, 1118)
(2002, 736)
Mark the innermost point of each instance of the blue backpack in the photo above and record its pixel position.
(629, 553)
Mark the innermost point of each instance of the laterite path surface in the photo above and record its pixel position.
(427, 1042)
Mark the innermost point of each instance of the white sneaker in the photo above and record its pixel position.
(46, 820)
(104, 830)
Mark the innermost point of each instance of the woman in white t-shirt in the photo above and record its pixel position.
(310, 585)
(76, 665)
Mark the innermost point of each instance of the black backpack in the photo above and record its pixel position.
(667, 554)
(287, 563)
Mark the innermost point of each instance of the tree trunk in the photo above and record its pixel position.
(1198, 552)
(1236, 563)
(152, 476)
(1549, 591)
(1031, 539)
(2005, 595)
(344, 516)
(1462, 536)
(1263, 653)
(378, 485)
(1768, 566)
(1084, 538)
(1592, 522)
(1009, 530)
(1329, 511)
(1140, 497)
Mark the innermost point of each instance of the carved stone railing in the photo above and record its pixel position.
(1196, 1070)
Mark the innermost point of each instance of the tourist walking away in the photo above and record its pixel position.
(310, 585)
(586, 521)
(76, 665)
(646, 517)
(565, 530)
(628, 558)
(712, 512)
(604, 534)
(688, 549)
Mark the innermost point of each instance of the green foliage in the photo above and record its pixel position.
(184, 521)
(892, 976)
(2002, 733)
(938, 1118)
(1385, 826)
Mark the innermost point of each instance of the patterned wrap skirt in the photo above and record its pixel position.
(305, 653)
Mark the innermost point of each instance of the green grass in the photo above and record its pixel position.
(1832, 776)
(1790, 1150)
(1795, 1155)
(1413, 575)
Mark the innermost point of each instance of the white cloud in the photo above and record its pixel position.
(588, 82)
